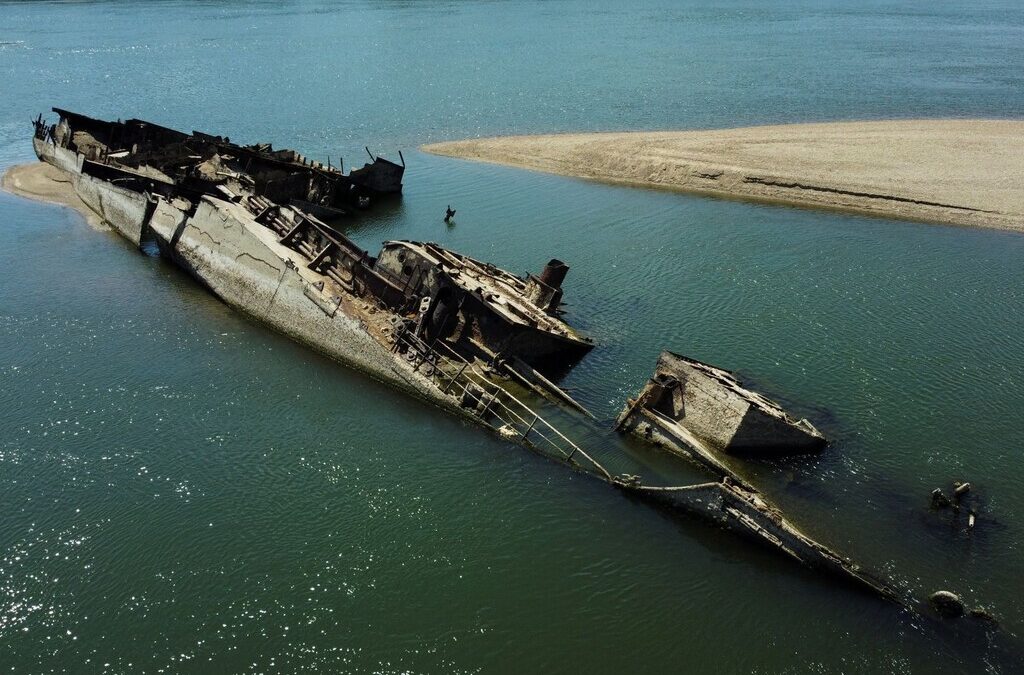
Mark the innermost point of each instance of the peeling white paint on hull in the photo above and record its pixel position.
(62, 158)
(124, 210)
(235, 257)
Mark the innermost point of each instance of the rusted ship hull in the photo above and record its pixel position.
(171, 155)
(122, 209)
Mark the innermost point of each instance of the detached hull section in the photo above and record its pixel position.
(742, 510)
(694, 404)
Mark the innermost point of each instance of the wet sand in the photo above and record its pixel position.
(46, 183)
(963, 172)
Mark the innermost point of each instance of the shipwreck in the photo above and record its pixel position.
(704, 413)
(432, 322)
(254, 226)
(137, 154)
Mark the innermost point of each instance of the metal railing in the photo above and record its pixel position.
(452, 374)
(329, 252)
(455, 376)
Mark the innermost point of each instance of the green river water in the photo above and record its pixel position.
(185, 491)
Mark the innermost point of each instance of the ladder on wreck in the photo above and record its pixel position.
(493, 405)
(447, 370)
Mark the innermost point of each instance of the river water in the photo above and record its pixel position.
(184, 490)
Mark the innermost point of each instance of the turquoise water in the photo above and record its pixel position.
(183, 490)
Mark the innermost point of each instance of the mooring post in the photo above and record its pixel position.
(488, 406)
(453, 380)
(530, 428)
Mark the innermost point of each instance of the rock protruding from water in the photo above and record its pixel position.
(983, 614)
(939, 500)
(947, 604)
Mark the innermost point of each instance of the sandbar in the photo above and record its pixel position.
(46, 183)
(959, 171)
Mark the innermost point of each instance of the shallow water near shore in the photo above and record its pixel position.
(184, 490)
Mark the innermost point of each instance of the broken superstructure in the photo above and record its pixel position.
(252, 224)
(204, 163)
(703, 412)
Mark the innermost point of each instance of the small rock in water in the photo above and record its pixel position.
(939, 500)
(983, 614)
(947, 604)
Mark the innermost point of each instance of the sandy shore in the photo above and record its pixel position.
(46, 183)
(964, 172)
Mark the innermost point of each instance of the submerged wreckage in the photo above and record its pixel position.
(704, 414)
(252, 224)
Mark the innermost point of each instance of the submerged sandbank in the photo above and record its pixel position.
(46, 183)
(964, 172)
